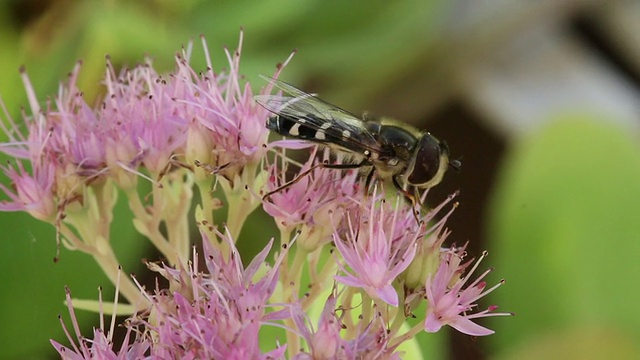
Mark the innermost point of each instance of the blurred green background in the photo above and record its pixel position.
(540, 101)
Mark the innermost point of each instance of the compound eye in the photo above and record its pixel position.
(426, 162)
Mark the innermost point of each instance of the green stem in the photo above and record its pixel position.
(398, 321)
(367, 307)
(73, 242)
(293, 340)
(318, 279)
(399, 312)
(206, 200)
(149, 226)
(207, 206)
(178, 195)
(294, 274)
(93, 235)
(415, 330)
(347, 303)
(107, 261)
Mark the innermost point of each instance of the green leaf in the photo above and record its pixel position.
(567, 235)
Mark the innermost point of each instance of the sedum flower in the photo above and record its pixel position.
(217, 314)
(73, 158)
(328, 340)
(315, 196)
(32, 192)
(325, 341)
(451, 299)
(377, 247)
(147, 128)
(39, 183)
(218, 106)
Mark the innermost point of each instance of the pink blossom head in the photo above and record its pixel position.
(377, 243)
(312, 200)
(217, 313)
(452, 297)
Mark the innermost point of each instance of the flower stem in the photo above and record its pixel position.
(147, 223)
(107, 261)
(415, 330)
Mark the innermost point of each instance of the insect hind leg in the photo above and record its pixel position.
(323, 164)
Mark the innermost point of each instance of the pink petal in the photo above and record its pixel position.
(388, 294)
(468, 327)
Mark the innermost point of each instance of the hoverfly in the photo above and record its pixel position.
(412, 159)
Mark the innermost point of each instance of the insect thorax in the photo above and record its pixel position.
(397, 146)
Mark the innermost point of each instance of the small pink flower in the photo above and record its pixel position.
(317, 195)
(378, 245)
(451, 304)
(327, 342)
(145, 125)
(218, 105)
(324, 342)
(32, 192)
(77, 136)
(36, 169)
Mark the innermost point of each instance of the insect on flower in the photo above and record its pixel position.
(411, 158)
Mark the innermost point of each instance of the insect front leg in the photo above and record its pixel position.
(367, 182)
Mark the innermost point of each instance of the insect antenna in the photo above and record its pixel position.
(455, 165)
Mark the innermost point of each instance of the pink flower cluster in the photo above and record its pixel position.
(146, 124)
(357, 256)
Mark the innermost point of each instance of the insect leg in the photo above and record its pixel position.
(409, 196)
(291, 182)
(344, 166)
(308, 171)
(367, 182)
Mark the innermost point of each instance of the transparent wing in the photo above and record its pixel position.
(337, 126)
